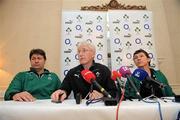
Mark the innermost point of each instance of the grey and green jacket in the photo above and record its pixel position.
(166, 91)
(39, 86)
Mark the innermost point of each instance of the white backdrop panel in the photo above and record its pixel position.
(130, 30)
(78, 26)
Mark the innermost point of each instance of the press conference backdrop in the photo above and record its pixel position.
(126, 30)
(79, 26)
(130, 30)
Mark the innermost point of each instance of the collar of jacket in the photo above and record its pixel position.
(34, 71)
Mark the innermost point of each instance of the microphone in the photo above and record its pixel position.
(126, 73)
(90, 78)
(141, 75)
(116, 76)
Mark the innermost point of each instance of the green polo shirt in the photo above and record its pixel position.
(167, 91)
(39, 86)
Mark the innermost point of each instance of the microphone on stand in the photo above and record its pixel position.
(120, 85)
(116, 76)
(91, 78)
(126, 73)
(142, 75)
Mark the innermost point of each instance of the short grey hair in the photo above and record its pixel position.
(87, 43)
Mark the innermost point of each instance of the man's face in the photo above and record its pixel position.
(85, 54)
(141, 60)
(37, 61)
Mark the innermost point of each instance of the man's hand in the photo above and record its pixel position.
(95, 95)
(58, 95)
(23, 96)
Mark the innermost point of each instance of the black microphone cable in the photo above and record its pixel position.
(91, 101)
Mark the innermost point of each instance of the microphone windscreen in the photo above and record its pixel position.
(88, 75)
(124, 70)
(115, 75)
(140, 74)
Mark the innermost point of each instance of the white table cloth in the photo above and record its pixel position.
(69, 110)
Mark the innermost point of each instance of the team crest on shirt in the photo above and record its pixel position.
(97, 74)
(49, 77)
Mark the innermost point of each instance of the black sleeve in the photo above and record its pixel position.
(66, 83)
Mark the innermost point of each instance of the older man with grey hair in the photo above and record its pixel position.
(75, 82)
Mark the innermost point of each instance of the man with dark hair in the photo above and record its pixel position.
(142, 60)
(37, 51)
(37, 83)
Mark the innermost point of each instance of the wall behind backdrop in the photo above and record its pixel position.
(27, 24)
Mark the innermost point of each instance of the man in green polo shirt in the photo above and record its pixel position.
(37, 83)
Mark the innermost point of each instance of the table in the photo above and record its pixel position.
(69, 110)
